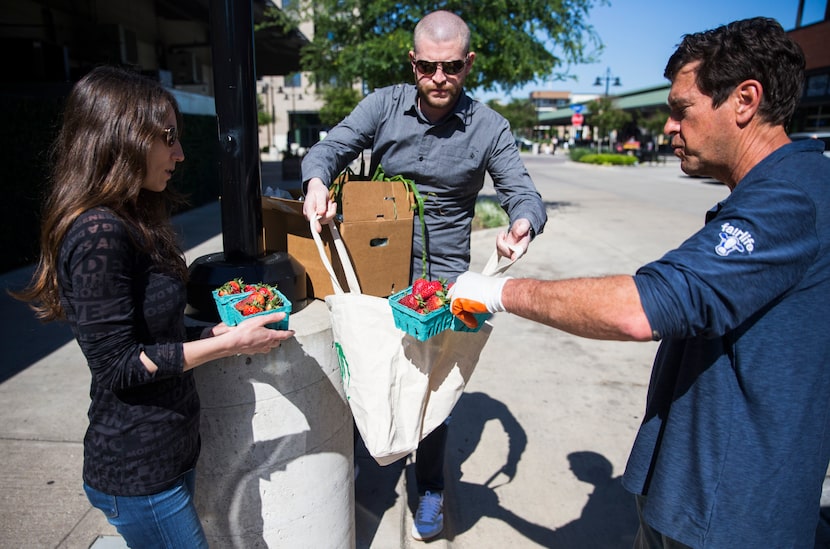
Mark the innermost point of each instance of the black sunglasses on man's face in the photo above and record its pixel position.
(450, 68)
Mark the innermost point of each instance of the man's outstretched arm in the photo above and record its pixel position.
(598, 308)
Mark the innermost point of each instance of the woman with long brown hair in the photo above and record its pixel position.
(110, 265)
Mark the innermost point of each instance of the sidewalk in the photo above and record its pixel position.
(537, 444)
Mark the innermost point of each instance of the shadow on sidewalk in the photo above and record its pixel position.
(609, 518)
(375, 492)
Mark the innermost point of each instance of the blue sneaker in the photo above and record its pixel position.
(429, 518)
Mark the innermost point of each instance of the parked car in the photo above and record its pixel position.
(822, 136)
(524, 144)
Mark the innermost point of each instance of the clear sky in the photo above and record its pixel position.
(640, 35)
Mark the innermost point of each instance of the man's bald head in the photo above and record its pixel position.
(442, 26)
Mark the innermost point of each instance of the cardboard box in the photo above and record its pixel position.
(376, 228)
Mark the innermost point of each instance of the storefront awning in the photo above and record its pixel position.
(277, 50)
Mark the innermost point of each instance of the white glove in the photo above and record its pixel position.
(475, 293)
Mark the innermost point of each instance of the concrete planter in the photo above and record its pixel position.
(276, 468)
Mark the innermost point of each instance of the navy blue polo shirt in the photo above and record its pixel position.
(735, 440)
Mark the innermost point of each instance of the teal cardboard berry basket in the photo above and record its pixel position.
(225, 304)
(423, 327)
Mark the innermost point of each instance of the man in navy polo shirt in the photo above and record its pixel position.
(735, 441)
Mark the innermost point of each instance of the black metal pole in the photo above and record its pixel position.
(232, 39)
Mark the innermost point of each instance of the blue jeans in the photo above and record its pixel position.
(166, 520)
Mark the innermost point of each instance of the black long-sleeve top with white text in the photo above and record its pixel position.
(143, 428)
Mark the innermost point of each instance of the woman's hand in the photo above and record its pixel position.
(215, 330)
(251, 336)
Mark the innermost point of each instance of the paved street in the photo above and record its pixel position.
(537, 443)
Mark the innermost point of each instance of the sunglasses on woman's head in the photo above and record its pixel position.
(170, 136)
(450, 68)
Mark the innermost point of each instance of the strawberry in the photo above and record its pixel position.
(431, 288)
(273, 302)
(435, 301)
(409, 300)
(263, 298)
(247, 308)
(265, 290)
(426, 288)
(230, 287)
(419, 285)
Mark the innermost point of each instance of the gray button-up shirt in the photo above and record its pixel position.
(447, 161)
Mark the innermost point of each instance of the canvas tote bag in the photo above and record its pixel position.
(399, 389)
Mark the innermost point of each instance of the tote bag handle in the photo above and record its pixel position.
(342, 253)
(492, 267)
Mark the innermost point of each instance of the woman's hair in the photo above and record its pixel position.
(111, 119)
(751, 49)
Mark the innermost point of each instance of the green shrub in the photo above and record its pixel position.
(576, 154)
(608, 159)
(489, 214)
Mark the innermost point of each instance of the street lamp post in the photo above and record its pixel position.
(607, 78)
(292, 116)
(266, 90)
(272, 124)
(598, 82)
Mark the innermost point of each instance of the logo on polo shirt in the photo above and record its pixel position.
(733, 239)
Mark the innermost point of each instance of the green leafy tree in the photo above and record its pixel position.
(606, 117)
(263, 117)
(516, 42)
(339, 102)
(273, 17)
(519, 112)
(654, 122)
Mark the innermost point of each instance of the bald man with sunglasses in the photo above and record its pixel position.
(435, 134)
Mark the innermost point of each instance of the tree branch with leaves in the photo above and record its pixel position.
(516, 42)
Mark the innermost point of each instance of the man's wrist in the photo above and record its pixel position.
(494, 303)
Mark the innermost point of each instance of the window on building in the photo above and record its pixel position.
(816, 85)
(294, 80)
